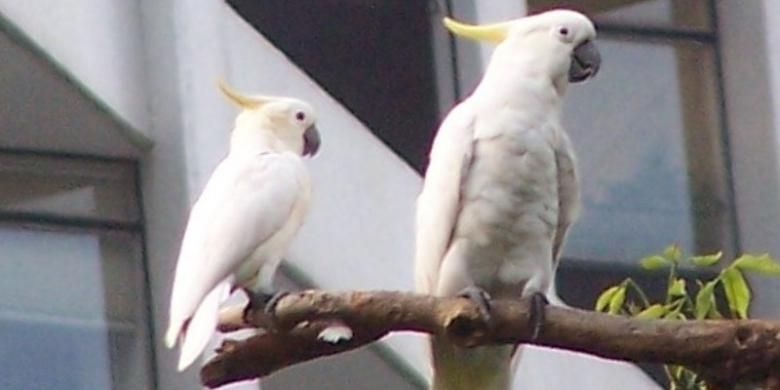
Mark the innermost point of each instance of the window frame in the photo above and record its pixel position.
(77, 223)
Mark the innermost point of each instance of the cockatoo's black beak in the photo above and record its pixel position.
(311, 141)
(585, 62)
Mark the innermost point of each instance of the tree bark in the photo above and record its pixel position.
(724, 351)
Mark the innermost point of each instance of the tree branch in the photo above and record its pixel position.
(725, 352)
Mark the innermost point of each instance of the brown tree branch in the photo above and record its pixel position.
(725, 352)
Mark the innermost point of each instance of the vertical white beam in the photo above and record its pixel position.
(496, 11)
(752, 89)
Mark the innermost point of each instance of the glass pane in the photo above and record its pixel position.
(686, 14)
(649, 151)
(72, 302)
(68, 187)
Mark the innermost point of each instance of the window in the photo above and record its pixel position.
(73, 293)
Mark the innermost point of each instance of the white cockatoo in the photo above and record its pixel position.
(501, 188)
(244, 220)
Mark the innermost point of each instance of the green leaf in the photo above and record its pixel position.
(674, 309)
(714, 313)
(652, 312)
(632, 308)
(654, 262)
(605, 297)
(677, 288)
(677, 371)
(616, 302)
(762, 264)
(675, 315)
(707, 260)
(737, 291)
(705, 298)
(672, 253)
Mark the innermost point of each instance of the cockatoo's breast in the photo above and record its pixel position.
(510, 205)
(270, 253)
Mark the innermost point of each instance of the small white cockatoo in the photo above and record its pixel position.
(243, 222)
(501, 188)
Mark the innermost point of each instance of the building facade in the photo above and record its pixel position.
(110, 125)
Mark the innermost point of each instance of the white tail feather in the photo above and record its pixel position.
(172, 333)
(202, 325)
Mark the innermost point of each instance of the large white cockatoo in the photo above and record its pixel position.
(244, 220)
(501, 188)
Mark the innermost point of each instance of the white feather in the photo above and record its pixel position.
(201, 326)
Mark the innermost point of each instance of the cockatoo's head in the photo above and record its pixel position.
(561, 41)
(290, 120)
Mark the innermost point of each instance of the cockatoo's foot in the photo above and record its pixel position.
(256, 300)
(261, 300)
(536, 317)
(270, 304)
(479, 297)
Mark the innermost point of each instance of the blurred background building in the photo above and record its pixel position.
(110, 124)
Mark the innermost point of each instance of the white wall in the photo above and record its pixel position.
(100, 42)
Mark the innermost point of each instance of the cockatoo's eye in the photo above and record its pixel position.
(564, 33)
(300, 116)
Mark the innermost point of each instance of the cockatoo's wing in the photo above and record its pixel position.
(439, 202)
(568, 193)
(247, 201)
(568, 206)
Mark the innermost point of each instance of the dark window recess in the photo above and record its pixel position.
(374, 56)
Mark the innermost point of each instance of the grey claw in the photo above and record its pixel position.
(480, 297)
(263, 300)
(270, 305)
(537, 315)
